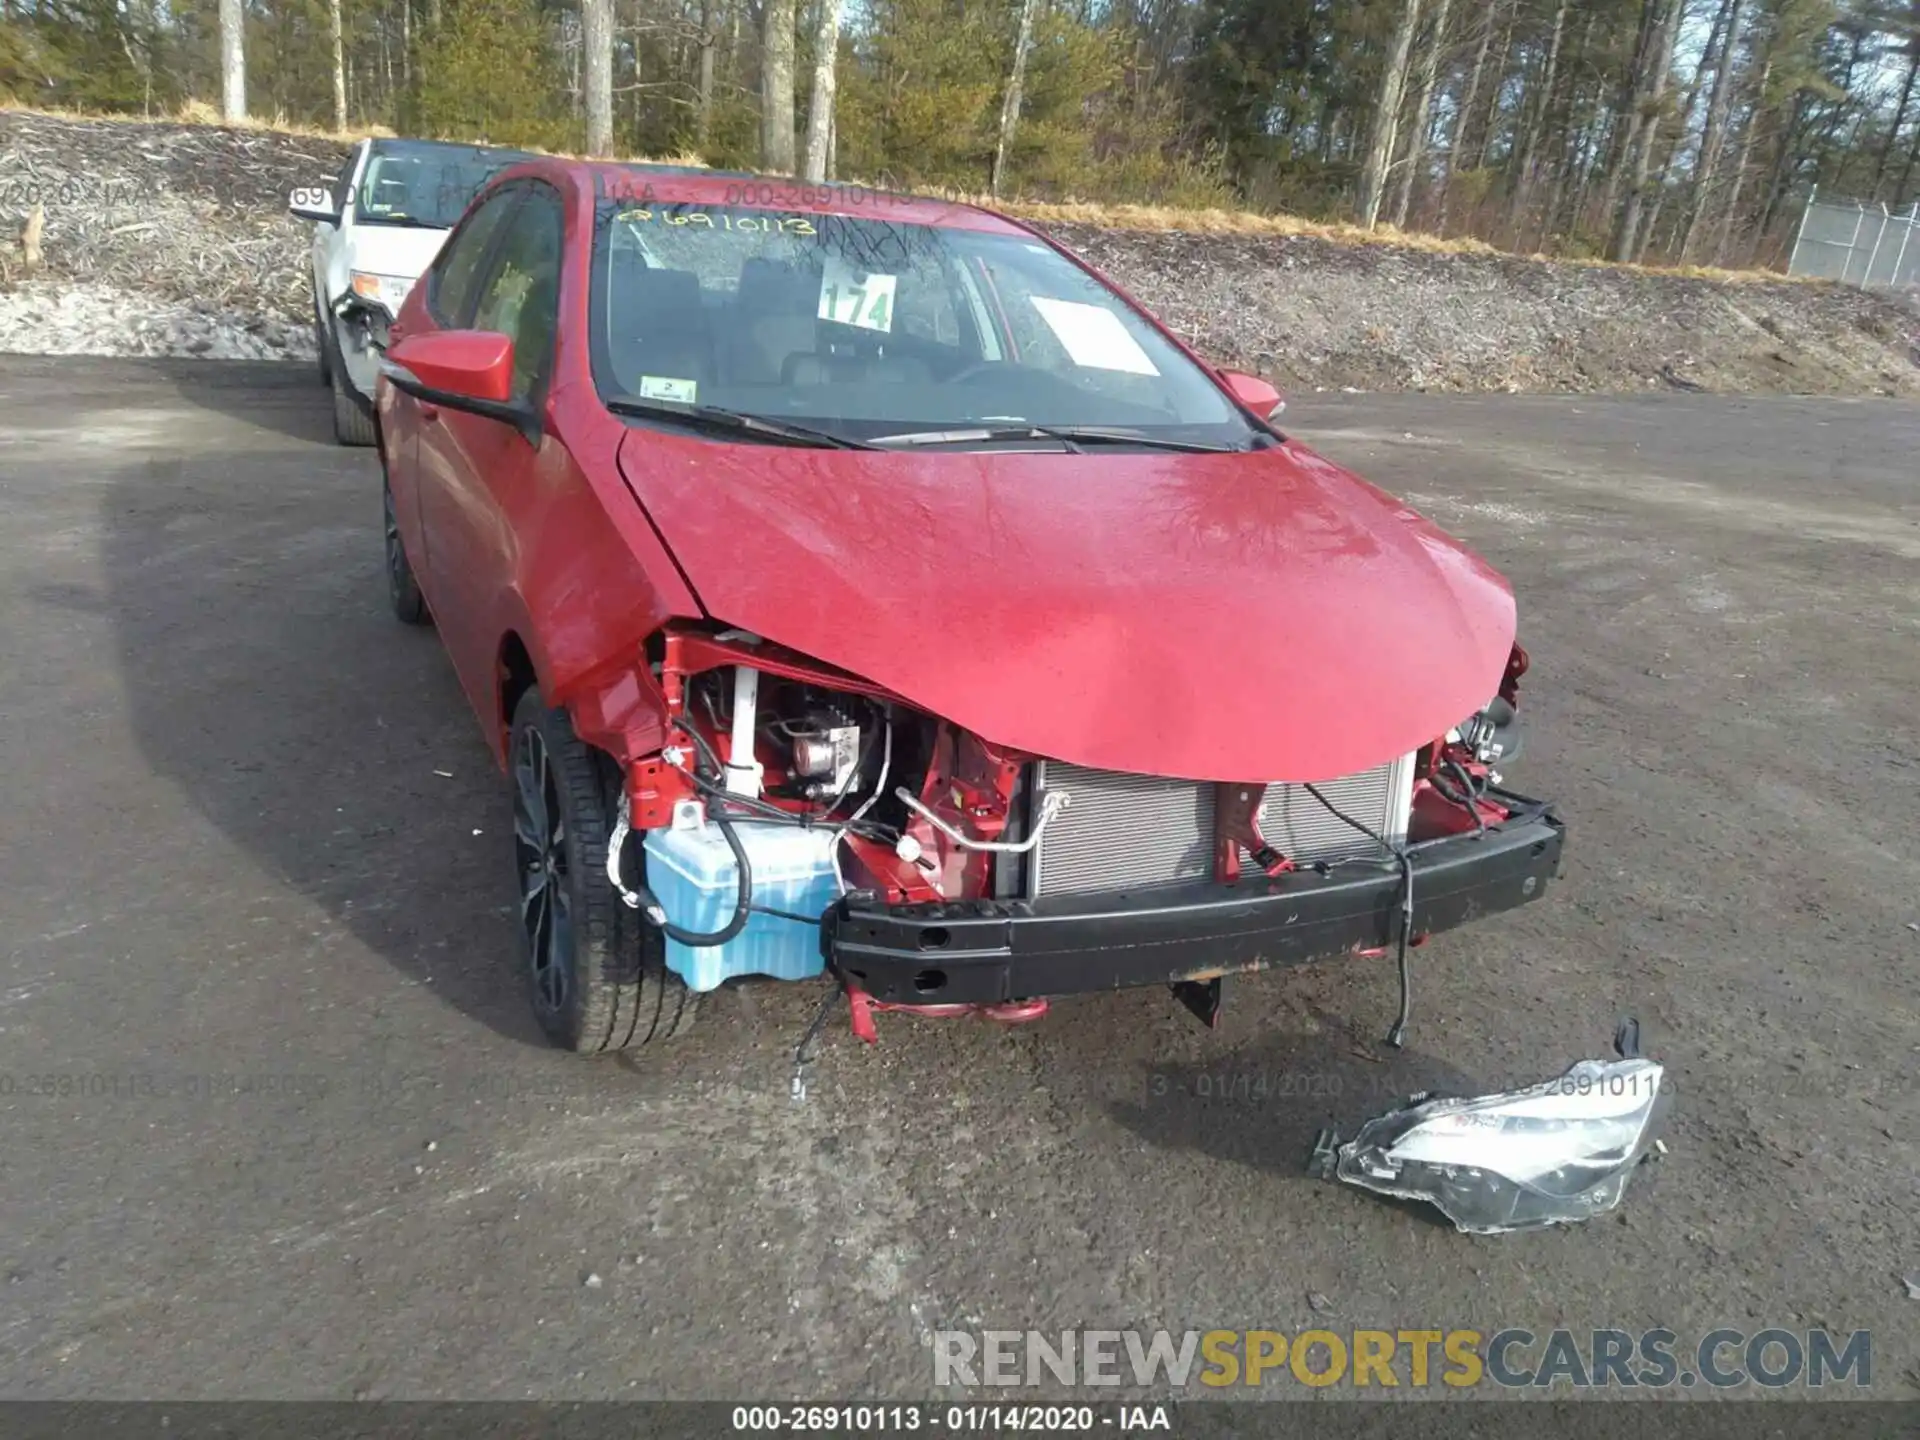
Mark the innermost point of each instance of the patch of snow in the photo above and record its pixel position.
(53, 317)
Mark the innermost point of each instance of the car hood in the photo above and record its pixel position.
(403, 250)
(1257, 616)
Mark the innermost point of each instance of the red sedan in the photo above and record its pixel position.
(862, 585)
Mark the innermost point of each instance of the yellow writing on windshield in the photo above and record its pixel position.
(703, 220)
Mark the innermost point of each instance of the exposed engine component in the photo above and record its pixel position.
(824, 745)
(788, 740)
(743, 770)
(1051, 804)
(1490, 735)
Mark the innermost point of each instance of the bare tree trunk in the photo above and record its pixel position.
(1537, 123)
(1010, 102)
(1457, 151)
(1571, 126)
(1899, 117)
(1713, 137)
(1422, 118)
(1900, 192)
(1386, 116)
(703, 116)
(1504, 57)
(826, 50)
(1731, 209)
(1650, 88)
(339, 66)
(574, 48)
(596, 30)
(1629, 109)
(233, 60)
(1829, 140)
(776, 88)
(1709, 55)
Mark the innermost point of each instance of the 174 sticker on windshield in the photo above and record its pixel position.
(854, 297)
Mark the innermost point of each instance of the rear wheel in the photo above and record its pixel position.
(596, 971)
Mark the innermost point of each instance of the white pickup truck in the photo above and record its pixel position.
(377, 226)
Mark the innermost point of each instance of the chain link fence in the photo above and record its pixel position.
(1864, 245)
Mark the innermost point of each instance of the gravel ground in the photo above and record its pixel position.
(181, 231)
(1319, 315)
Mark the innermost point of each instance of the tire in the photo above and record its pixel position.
(596, 971)
(351, 424)
(409, 605)
(320, 341)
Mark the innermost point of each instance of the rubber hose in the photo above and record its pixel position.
(742, 907)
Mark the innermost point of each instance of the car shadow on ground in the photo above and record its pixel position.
(1265, 1103)
(267, 678)
(284, 396)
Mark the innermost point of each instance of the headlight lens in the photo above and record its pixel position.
(1547, 1155)
(388, 290)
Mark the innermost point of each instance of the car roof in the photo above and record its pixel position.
(398, 144)
(640, 182)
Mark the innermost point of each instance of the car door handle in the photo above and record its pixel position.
(429, 412)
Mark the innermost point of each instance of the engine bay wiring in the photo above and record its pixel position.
(1396, 1037)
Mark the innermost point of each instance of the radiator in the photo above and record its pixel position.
(1137, 832)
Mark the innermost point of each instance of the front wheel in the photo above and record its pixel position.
(320, 338)
(352, 425)
(403, 590)
(596, 971)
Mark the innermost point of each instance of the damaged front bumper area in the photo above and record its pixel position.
(991, 951)
(359, 340)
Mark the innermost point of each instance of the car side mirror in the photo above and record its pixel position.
(451, 366)
(1254, 393)
(315, 203)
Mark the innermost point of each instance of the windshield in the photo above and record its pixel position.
(425, 184)
(876, 330)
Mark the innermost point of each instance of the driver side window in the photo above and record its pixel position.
(455, 272)
(521, 298)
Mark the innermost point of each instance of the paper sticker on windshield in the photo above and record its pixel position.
(663, 387)
(1094, 336)
(853, 297)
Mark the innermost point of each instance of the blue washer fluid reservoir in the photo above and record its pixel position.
(692, 874)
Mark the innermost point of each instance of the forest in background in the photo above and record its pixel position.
(1686, 131)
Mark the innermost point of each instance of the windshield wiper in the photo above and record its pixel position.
(407, 222)
(1072, 436)
(713, 417)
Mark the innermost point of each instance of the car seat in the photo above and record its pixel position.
(775, 309)
(657, 324)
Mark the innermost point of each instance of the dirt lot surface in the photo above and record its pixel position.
(173, 240)
(275, 1117)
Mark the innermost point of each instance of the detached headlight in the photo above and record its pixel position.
(1547, 1155)
(388, 290)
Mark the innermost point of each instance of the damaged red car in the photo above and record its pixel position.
(859, 585)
